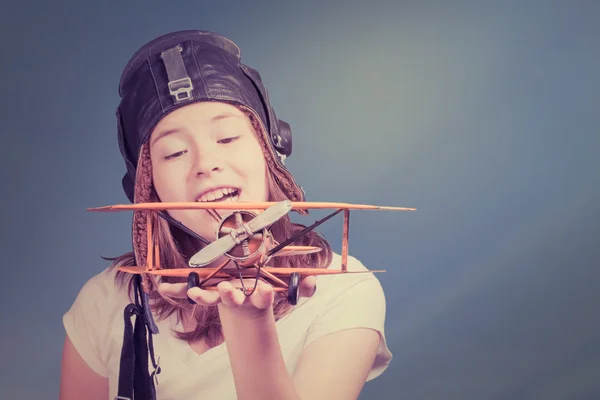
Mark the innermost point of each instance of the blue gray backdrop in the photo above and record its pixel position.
(483, 115)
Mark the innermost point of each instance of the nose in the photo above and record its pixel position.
(207, 161)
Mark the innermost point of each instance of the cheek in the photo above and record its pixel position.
(167, 188)
(199, 222)
(257, 176)
(253, 163)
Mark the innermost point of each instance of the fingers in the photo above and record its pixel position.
(263, 296)
(204, 297)
(230, 295)
(180, 291)
(174, 290)
(226, 292)
(308, 286)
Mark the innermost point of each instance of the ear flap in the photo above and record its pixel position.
(128, 184)
(284, 144)
(280, 133)
(128, 181)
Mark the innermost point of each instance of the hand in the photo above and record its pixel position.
(229, 296)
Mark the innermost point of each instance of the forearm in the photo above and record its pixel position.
(257, 363)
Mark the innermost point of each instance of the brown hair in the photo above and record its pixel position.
(176, 247)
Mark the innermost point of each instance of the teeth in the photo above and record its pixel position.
(216, 195)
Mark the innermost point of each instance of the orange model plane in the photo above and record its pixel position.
(244, 238)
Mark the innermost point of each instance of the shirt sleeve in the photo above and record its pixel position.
(87, 322)
(360, 306)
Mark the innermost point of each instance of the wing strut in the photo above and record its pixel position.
(150, 245)
(181, 226)
(345, 240)
(302, 233)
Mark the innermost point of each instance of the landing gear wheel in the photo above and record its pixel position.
(294, 289)
(193, 281)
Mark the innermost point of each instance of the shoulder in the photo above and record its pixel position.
(102, 293)
(359, 281)
(93, 317)
(102, 283)
(347, 301)
(359, 284)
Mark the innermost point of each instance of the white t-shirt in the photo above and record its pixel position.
(95, 326)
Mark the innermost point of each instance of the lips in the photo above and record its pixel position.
(224, 193)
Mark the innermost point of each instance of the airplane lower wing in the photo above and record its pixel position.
(174, 272)
(297, 251)
(234, 273)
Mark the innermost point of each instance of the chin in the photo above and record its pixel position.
(208, 235)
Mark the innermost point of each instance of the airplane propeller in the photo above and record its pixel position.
(237, 235)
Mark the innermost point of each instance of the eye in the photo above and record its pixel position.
(229, 140)
(175, 155)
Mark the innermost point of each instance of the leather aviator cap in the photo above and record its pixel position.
(179, 68)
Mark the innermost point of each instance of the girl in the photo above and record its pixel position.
(195, 124)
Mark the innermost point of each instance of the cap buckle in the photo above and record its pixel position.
(180, 84)
(180, 87)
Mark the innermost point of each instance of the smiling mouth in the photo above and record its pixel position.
(219, 195)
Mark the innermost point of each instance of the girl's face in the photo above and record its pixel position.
(207, 152)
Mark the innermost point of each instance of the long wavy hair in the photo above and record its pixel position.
(176, 247)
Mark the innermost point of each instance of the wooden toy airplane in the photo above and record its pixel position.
(244, 238)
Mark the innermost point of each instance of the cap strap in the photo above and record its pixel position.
(180, 84)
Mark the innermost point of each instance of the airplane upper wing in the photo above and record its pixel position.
(240, 205)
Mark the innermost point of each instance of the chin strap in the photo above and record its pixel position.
(135, 382)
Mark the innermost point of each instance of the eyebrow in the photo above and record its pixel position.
(225, 116)
(163, 134)
(213, 119)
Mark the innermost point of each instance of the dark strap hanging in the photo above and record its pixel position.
(135, 382)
